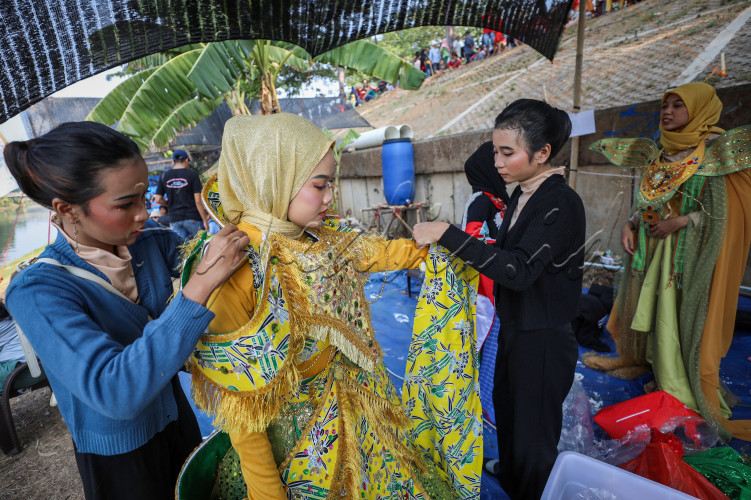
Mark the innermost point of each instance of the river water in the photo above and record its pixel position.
(30, 232)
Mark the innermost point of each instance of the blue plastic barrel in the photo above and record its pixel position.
(398, 162)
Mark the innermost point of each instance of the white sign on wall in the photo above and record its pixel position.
(582, 123)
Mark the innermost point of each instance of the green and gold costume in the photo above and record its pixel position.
(676, 304)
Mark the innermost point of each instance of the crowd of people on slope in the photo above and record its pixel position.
(272, 316)
(441, 55)
(597, 8)
(360, 93)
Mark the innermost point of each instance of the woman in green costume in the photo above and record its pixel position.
(687, 244)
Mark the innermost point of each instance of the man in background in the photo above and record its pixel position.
(182, 188)
(469, 46)
(435, 57)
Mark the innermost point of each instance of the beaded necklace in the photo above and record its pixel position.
(663, 178)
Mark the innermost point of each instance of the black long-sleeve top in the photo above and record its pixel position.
(537, 265)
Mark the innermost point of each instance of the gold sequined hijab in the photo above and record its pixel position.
(265, 161)
(704, 108)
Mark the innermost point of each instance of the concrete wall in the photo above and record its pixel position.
(439, 176)
(607, 190)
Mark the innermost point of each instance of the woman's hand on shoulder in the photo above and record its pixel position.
(224, 254)
(426, 233)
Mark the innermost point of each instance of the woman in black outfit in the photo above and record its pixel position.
(536, 264)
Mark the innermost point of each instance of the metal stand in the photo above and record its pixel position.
(396, 221)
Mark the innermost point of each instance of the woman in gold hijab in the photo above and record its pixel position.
(687, 245)
(290, 367)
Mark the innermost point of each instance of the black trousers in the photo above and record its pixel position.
(533, 373)
(148, 472)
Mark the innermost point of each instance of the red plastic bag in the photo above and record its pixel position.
(661, 462)
(652, 410)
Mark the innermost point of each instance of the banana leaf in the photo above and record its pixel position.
(111, 108)
(183, 117)
(369, 58)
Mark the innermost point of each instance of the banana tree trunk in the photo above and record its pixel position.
(267, 107)
(269, 100)
(236, 101)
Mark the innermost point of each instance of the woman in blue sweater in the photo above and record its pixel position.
(536, 264)
(94, 307)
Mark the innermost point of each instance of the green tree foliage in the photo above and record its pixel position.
(405, 43)
(175, 90)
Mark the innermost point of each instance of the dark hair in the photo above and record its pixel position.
(3, 310)
(67, 161)
(537, 123)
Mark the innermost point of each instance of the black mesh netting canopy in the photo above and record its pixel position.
(46, 45)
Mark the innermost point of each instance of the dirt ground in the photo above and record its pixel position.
(46, 467)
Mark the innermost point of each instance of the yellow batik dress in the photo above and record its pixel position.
(293, 374)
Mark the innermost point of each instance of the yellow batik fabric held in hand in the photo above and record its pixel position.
(441, 392)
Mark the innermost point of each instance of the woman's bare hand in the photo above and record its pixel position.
(627, 238)
(426, 233)
(224, 254)
(666, 227)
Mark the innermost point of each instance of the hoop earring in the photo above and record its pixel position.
(75, 234)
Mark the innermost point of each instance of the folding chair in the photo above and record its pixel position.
(26, 376)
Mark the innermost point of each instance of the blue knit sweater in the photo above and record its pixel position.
(109, 367)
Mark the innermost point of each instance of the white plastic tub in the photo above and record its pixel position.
(577, 476)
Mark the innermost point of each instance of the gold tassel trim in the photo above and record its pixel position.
(355, 349)
(320, 326)
(253, 411)
(187, 248)
(394, 412)
(351, 455)
(235, 411)
(374, 409)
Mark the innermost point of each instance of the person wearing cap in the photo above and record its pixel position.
(435, 56)
(160, 215)
(182, 188)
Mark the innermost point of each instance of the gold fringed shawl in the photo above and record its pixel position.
(441, 391)
(308, 290)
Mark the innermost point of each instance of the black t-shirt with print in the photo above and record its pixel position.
(179, 185)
